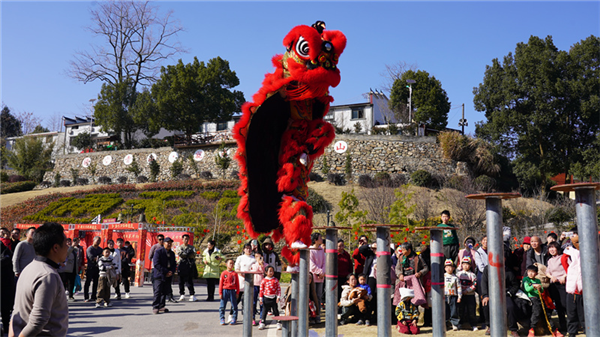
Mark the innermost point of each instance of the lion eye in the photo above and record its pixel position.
(302, 47)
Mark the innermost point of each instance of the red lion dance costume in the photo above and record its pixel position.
(282, 132)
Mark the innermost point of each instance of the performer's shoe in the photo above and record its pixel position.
(298, 245)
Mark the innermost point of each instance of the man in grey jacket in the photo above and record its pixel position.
(24, 253)
(40, 303)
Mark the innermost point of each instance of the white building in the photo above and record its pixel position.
(368, 114)
(54, 138)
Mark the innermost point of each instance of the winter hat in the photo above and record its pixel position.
(466, 259)
(406, 293)
(527, 240)
(449, 262)
(268, 240)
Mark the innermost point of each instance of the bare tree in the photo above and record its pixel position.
(469, 214)
(28, 121)
(425, 209)
(394, 72)
(55, 122)
(377, 202)
(137, 41)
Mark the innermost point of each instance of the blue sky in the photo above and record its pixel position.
(453, 41)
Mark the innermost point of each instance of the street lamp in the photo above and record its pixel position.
(409, 86)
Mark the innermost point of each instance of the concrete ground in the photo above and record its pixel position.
(133, 317)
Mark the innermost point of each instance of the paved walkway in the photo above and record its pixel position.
(133, 317)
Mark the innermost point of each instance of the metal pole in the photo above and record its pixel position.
(285, 329)
(331, 283)
(384, 281)
(438, 305)
(303, 294)
(496, 280)
(248, 304)
(587, 223)
(294, 304)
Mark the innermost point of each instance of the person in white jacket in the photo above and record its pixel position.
(115, 254)
(571, 263)
(243, 262)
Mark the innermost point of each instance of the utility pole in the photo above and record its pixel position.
(463, 121)
(410, 82)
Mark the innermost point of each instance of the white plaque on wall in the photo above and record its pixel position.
(128, 159)
(151, 155)
(340, 146)
(86, 162)
(107, 160)
(173, 157)
(199, 155)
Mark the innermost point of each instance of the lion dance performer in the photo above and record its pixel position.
(282, 132)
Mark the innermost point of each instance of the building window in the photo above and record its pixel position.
(329, 116)
(357, 114)
(221, 126)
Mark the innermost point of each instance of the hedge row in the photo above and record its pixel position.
(20, 186)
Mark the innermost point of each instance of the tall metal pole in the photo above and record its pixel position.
(248, 303)
(303, 294)
(331, 282)
(438, 305)
(496, 280)
(384, 283)
(294, 304)
(409, 104)
(587, 226)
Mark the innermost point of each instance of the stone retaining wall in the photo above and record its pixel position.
(369, 154)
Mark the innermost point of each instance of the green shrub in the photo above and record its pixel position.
(382, 179)
(176, 168)
(317, 202)
(57, 179)
(457, 182)
(325, 166)
(20, 186)
(421, 178)
(230, 194)
(210, 195)
(3, 177)
(365, 180)
(484, 183)
(154, 170)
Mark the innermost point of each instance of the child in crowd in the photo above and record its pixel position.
(453, 292)
(258, 266)
(468, 282)
(407, 313)
(533, 288)
(106, 268)
(353, 302)
(229, 288)
(270, 292)
(362, 282)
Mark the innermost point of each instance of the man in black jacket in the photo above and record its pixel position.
(164, 268)
(127, 253)
(513, 308)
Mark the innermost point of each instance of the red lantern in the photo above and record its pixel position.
(516, 238)
(414, 230)
(423, 242)
(128, 221)
(239, 242)
(208, 230)
(551, 231)
(425, 236)
(391, 235)
(153, 218)
(408, 229)
(198, 253)
(237, 227)
(356, 238)
(243, 231)
(355, 233)
(405, 239)
(238, 232)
